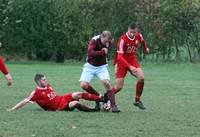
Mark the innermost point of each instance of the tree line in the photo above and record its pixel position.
(57, 30)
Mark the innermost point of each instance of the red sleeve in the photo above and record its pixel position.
(3, 67)
(143, 42)
(92, 52)
(32, 96)
(122, 60)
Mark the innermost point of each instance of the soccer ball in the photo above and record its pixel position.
(106, 106)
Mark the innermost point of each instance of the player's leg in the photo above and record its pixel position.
(139, 87)
(119, 83)
(86, 77)
(75, 104)
(4, 70)
(120, 73)
(103, 74)
(87, 96)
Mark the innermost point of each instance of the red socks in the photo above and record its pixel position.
(114, 90)
(91, 97)
(91, 90)
(3, 67)
(139, 89)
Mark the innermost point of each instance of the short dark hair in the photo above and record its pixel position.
(132, 25)
(38, 77)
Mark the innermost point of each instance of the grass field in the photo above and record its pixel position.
(171, 95)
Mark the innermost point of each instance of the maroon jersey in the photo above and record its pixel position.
(128, 46)
(95, 55)
(47, 99)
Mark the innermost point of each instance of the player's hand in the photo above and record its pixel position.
(111, 42)
(148, 50)
(132, 69)
(9, 110)
(105, 50)
(9, 82)
(9, 79)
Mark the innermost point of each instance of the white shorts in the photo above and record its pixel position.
(89, 71)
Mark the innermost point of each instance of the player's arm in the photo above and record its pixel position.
(24, 102)
(92, 52)
(20, 104)
(120, 53)
(4, 70)
(144, 44)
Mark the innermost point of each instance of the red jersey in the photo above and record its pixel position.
(3, 67)
(128, 46)
(47, 99)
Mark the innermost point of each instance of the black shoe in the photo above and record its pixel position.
(97, 106)
(115, 109)
(93, 110)
(139, 104)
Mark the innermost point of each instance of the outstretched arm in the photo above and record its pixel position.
(144, 44)
(4, 70)
(20, 104)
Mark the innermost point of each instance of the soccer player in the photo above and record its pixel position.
(47, 99)
(4, 70)
(126, 60)
(97, 66)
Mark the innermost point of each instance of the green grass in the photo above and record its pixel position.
(171, 94)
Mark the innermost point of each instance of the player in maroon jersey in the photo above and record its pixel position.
(97, 66)
(4, 70)
(47, 99)
(126, 60)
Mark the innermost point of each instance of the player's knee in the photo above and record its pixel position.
(77, 95)
(141, 79)
(106, 83)
(73, 104)
(84, 85)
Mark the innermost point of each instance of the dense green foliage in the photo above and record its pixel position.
(60, 29)
(171, 95)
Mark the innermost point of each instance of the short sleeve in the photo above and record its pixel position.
(32, 96)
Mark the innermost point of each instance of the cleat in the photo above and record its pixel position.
(139, 104)
(97, 106)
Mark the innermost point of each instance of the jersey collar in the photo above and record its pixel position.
(129, 37)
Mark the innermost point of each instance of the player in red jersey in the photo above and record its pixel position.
(126, 60)
(4, 70)
(47, 99)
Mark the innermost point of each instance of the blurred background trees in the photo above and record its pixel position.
(57, 30)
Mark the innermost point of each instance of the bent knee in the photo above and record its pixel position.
(73, 104)
(76, 95)
(84, 85)
(106, 82)
(141, 79)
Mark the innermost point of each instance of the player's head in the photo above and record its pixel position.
(132, 29)
(40, 80)
(106, 36)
